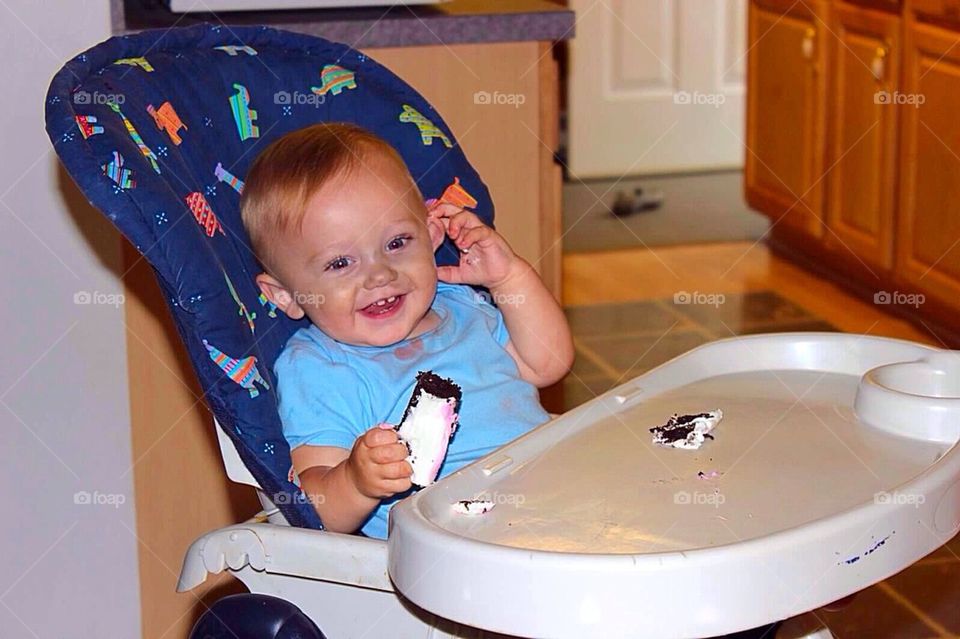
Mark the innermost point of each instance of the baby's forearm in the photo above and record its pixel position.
(537, 325)
(335, 497)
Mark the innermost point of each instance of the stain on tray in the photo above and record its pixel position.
(874, 548)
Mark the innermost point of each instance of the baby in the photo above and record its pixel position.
(346, 239)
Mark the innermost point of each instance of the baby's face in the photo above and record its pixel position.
(363, 269)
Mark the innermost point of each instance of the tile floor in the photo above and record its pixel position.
(626, 320)
(618, 341)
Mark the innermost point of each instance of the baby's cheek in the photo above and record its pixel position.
(340, 300)
(328, 305)
(423, 264)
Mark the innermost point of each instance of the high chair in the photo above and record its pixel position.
(158, 130)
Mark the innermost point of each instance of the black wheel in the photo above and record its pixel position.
(250, 616)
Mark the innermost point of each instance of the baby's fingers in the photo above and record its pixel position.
(449, 274)
(389, 453)
(379, 436)
(443, 209)
(472, 236)
(462, 220)
(399, 470)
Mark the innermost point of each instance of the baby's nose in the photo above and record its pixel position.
(380, 274)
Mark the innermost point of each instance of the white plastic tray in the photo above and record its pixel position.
(597, 532)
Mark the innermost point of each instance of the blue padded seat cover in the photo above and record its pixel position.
(158, 130)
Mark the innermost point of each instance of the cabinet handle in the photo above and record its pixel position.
(879, 65)
(807, 46)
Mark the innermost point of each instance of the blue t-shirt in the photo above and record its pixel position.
(330, 393)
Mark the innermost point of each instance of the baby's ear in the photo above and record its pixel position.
(436, 230)
(280, 295)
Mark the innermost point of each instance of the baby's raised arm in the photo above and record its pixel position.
(346, 486)
(540, 340)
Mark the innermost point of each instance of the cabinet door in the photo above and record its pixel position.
(785, 112)
(863, 140)
(928, 237)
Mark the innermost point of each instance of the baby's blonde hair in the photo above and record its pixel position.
(292, 169)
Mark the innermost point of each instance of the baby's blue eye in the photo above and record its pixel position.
(398, 242)
(337, 263)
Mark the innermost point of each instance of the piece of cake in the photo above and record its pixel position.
(428, 424)
(687, 431)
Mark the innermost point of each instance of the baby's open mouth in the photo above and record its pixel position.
(384, 306)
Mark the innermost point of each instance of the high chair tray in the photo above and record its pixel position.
(833, 467)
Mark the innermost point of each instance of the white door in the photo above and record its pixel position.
(656, 86)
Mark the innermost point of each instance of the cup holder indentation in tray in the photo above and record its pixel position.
(919, 399)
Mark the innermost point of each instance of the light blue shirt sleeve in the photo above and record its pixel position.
(322, 403)
(481, 301)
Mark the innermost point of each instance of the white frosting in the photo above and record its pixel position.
(427, 430)
(473, 506)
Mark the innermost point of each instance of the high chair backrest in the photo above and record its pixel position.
(158, 130)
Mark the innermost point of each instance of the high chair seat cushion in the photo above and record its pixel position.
(158, 130)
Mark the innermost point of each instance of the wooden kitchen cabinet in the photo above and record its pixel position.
(884, 77)
(928, 234)
(939, 10)
(786, 113)
(862, 153)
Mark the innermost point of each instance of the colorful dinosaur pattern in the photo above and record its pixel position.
(204, 214)
(136, 62)
(118, 173)
(458, 196)
(271, 307)
(242, 371)
(88, 125)
(334, 79)
(243, 115)
(144, 149)
(243, 312)
(234, 49)
(226, 176)
(167, 120)
(428, 130)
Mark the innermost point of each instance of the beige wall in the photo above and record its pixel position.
(66, 569)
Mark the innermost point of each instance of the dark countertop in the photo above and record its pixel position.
(455, 22)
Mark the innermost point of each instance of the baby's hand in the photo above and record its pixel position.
(485, 257)
(377, 464)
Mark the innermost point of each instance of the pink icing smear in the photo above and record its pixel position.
(449, 426)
